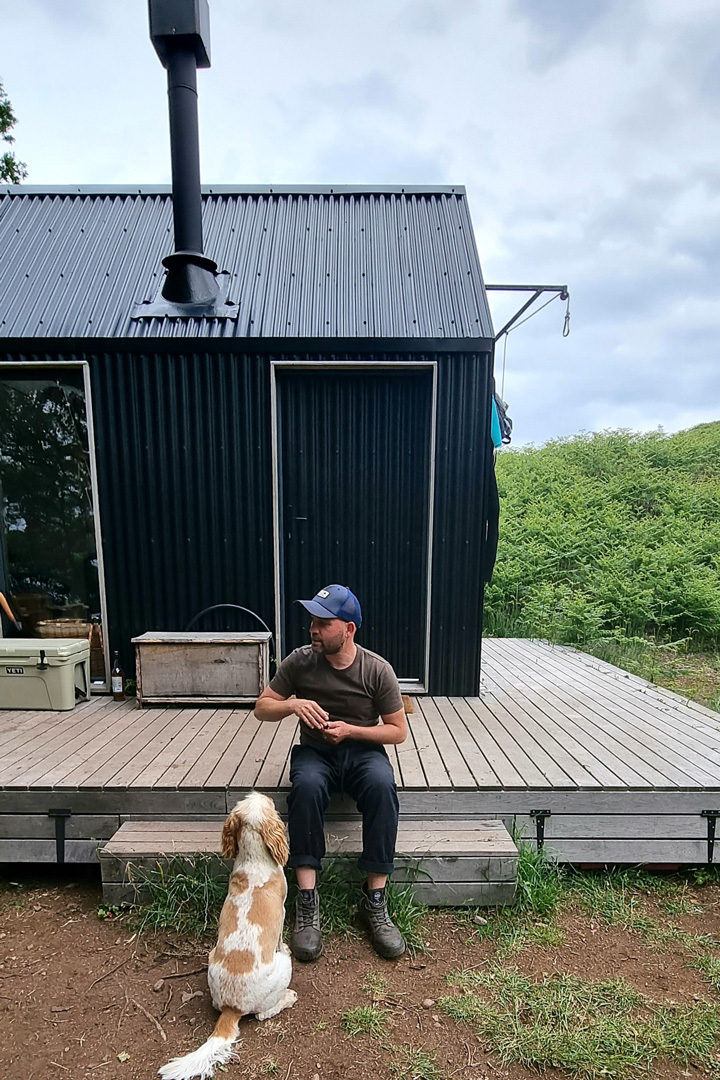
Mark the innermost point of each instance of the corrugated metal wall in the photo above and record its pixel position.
(183, 446)
(184, 470)
(464, 454)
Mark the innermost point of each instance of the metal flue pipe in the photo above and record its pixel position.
(185, 148)
(180, 32)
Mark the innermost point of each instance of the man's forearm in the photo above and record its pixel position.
(384, 734)
(267, 709)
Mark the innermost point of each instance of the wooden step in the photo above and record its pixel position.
(447, 863)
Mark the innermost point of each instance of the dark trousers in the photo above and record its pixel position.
(362, 771)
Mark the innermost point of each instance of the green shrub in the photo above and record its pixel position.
(610, 536)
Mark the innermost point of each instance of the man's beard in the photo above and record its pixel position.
(329, 649)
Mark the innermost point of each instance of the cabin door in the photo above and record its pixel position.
(354, 460)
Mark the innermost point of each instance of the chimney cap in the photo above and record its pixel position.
(185, 22)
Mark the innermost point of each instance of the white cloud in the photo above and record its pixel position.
(588, 135)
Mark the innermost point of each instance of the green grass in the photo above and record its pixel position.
(709, 966)
(512, 933)
(184, 895)
(412, 1063)
(374, 984)
(407, 914)
(590, 1029)
(681, 903)
(706, 875)
(540, 882)
(365, 1020)
(614, 896)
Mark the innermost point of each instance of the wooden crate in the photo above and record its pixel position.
(201, 668)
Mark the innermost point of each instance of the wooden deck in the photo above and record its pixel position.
(603, 765)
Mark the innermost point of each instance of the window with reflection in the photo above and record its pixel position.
(49, 582)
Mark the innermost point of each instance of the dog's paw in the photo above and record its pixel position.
(285, 948)
(290, 997)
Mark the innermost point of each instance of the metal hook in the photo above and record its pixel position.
(566, 325)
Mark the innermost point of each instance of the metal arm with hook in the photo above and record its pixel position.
(560, 291)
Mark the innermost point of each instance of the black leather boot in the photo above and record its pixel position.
(306, 941)
(384, 934)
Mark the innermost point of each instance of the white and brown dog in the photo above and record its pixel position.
(249, 970)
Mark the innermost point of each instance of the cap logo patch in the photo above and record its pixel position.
(323, 593)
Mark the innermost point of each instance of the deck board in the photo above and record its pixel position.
(625, 767)
(568, 717)
(125, 750)
(26, 737)
(659, 754)
(215, 749)
(688, 739)
(457, 768)
(602, 719)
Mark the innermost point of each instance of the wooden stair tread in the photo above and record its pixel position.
(433, 838)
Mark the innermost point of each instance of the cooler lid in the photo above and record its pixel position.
(55, 648)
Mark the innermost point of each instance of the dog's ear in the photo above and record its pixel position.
(274, 835)
(231, 828)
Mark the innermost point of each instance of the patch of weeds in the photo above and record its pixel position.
(593, 1029)
(682, 903)
(698, 946)
(407, 914)
(707, 875)
(321, 1025)
(513, 931)
(110, 911)
(412, 1063)
(271, 1067)
(539, 880)
(710, 968)
(185, 895)
(13, 895)
(374, 984)
(365, 1020)
(614, 896)
(338, 900)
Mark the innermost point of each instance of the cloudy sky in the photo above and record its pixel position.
(587, 133)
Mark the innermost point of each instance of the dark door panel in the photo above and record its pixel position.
(354, 474)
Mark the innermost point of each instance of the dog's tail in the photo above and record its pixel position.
(216, 1051)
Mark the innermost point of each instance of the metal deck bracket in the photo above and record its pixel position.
(540, 816)
(60, 816)
(712, 816)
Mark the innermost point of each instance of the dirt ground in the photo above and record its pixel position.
(82, 997)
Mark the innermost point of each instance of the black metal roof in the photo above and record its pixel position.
(305, 262)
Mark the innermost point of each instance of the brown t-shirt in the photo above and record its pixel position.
(359, 694)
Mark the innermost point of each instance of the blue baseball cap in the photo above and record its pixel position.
(335, 602)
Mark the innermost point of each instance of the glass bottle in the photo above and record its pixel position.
(117, 679)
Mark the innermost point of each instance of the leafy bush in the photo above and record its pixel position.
(610, 536)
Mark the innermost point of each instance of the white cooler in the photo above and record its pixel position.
(44, 673)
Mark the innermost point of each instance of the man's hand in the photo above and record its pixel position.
(310, 713)
(336, 731)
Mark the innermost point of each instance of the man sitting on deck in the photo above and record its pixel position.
(341, 692)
